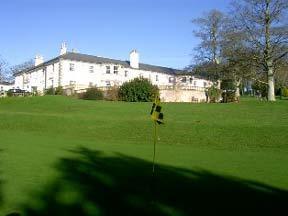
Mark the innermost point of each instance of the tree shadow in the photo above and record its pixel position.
(96, 184)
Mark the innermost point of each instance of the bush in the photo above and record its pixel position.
(138, 90)
(59, 90)
(112, 94)
(50, 91)
(261, 89)
(228, 91)
(285, 92)
(92, 94)
(214, 94)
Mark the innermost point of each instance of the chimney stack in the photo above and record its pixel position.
(63, 49)
(134, 59)
(39, 60)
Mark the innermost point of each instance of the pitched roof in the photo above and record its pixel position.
(100, 60)
(5, 83)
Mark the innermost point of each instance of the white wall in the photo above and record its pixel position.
(4, 87)
(82, 77)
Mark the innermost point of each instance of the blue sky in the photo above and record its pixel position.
(160, 30)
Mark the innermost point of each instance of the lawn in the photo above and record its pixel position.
(63, 156)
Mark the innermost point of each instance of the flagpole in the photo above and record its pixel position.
(155, 140)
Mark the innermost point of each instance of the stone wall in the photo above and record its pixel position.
(182, 95)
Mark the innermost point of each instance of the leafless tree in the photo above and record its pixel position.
(210, 32)
(3, 70)
(266, 33)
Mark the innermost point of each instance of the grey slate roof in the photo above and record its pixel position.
(100, 60)
(5, 83)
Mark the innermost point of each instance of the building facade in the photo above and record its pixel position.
(81, 71)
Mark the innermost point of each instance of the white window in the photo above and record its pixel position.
(107, 69)
(116, 69)
(72, 67)
(126, 73)
(91, 69)
(157, 78)
(195, 83)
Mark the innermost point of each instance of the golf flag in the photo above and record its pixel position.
(157, 116)
(156, 113)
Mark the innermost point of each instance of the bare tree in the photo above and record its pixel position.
(210, 32)
(266, 33)
(22, 67)
(3, 70)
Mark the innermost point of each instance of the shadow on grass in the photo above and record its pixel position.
(1, 183)
(95, 184)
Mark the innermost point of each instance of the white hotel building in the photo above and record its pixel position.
(81, 71)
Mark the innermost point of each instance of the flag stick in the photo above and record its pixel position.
(155, 140)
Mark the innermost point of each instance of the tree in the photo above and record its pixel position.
(23, 66)
(265, 33)
(210, 33)
(3, 70)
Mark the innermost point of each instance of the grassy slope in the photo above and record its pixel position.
(246, 140)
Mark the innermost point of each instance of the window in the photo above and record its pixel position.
(184, 80)
(107, 69)
(195, 83)
(90, 84)
(72, 67)
(157, 78)
(72, 82)
(108, 84)
(91, 69)
(126, 73)
(205, 84)
(116, 69)
(191, 80)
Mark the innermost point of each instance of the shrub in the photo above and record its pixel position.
(59, 90)
(92, 94)
(112, 94)
(214, 94)
(50, 91)
(285, 92)
(138, 90)
(261, 89)
(228, 91)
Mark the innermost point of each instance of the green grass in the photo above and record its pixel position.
(237, 143)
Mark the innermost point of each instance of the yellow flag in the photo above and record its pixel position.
(156, 113)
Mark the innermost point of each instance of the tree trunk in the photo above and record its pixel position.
(271, 88)
(237, 92)
(268, 53)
